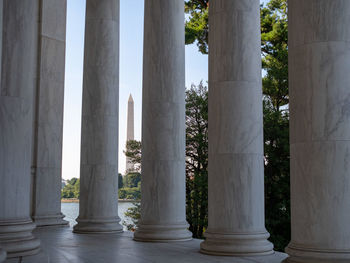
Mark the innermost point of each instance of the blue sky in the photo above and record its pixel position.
(131, 42)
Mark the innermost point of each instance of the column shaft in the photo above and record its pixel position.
(319, 74)
(2, 252)
(2, 255)
(163, 124)
(99, 140)
(18, 79)
(236, 168)
(48, 131)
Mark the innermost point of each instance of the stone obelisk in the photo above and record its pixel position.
(130, 130)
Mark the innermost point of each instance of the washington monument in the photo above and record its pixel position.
(130, 130)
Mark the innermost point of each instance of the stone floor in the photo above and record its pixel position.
(60, 245)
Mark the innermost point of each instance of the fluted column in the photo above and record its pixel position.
(163, 124)
(18, 79)
(319, 74)
(98, 212)
(2, 255)
(2, 252)
(48, 132)
(236, 167)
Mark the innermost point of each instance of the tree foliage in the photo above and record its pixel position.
(274, 45)
(197, 159)
(133, 152)
(130, 193)
(120, 181)
(134, 215)
(132, 185)
(71, 189)
(132, 180)
(197, 29)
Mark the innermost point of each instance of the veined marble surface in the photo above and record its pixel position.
(60, 245)
(2, 255)
(319, 85)
(236, 224)
(163, 124)
(18, 80)
(98, 211)
(47, 153)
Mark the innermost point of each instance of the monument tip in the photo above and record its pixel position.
(130, 98)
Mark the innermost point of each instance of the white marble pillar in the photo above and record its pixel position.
(18, 80)
(163, 124)
(98, 211)
(2, 252)
(47, 150)
(2, 255)
(236, 168)
(1, 33)
(319, 85)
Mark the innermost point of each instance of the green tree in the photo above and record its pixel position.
(197, 29)
(133, 213)
(132, 180)
(71, 189)
(274, 45)
(72, 181)
(120, 181)
(133, 152)
(197, 159)
(133, 193)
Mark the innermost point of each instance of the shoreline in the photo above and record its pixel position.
(75, 200)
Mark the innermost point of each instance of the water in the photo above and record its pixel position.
(71, 211)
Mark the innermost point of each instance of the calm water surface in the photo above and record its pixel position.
(71, 211)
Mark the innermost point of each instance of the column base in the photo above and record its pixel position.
(298, 254)
(51, 220)
(2, 255)
(162, 233)
(250, 244)
(17, 239)
(96, 226)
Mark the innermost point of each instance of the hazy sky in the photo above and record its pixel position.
(131, 41)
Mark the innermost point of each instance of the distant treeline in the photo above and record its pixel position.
(129, 187)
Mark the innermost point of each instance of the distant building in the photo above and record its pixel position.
(130, 131)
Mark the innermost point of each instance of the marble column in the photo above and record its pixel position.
(18, 81)
(1, 33)
(236, 167)
(2, 252)
(2, 255)
(319, 85)
(163, 216)
(48, 131)
(98, 212)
